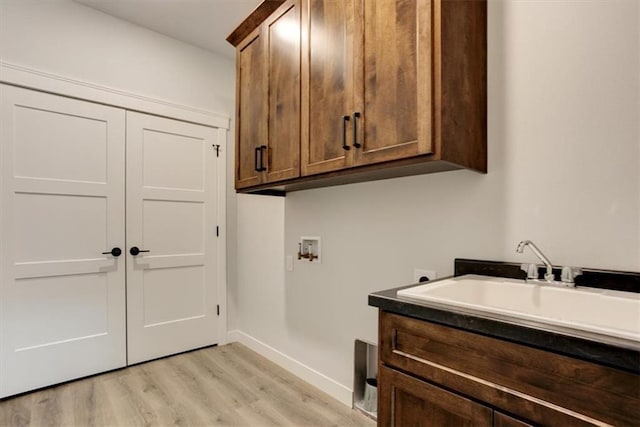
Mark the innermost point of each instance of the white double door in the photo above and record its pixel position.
(70, 306)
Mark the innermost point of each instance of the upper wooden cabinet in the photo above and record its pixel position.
(251, 115)
(327, 84)
(393, 69)
(367, 79)
(368, 89)
(268, 100)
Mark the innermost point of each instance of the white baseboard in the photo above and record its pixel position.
(306, 373)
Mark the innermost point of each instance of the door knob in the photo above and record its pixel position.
(135, 250)
(114, 252)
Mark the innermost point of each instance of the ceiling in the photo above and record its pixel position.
(203, 23)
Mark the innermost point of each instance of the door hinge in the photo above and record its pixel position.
(217, 231)
(217, 148)
(218, 309)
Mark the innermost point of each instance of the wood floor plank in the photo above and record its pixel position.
(17, 412)
(217, 386)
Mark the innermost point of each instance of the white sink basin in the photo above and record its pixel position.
(599, 312)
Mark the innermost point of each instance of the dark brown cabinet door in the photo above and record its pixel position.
(394, 80)
(367, 95)
(268, 100)
(503, 420)
(251, 119)
(406, 401)
(282, 38)
(327, 85)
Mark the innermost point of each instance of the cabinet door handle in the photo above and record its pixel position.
(345, 119)
(262, 148)
(356, 116)
(256, 164)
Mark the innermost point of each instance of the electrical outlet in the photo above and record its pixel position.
(420, 274)
(289, 262)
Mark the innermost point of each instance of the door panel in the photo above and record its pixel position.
(62, 300)
(283, 68)
(56, 217)
(407, 401)
(394, 78)
(187, 300)
(172, 212)
(76, 137)
(251, 118)
(503, 420)
(187, 168)
(45, 318)
(171, 217)
(328, 83)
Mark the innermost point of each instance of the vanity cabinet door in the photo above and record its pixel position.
(406, 401)
(503, 420)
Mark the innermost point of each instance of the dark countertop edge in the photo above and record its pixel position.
(611, 355)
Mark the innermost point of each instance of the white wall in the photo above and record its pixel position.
(65, 38)
(71, 40)
(564, 162)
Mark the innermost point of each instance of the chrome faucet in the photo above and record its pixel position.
(549, 274)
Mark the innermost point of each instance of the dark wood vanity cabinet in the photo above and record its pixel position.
(434, 375)
(348, 88)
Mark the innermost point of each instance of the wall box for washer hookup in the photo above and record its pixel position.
(309, 250)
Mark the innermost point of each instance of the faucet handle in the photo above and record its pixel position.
(531, 269)
(570, 273)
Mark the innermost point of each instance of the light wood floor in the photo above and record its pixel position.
(225, 386)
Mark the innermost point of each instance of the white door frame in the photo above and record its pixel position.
(221, 204)
(38, 80)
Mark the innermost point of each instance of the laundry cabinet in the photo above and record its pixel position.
(332, 92)
(268, 92)
(108, 227)
(368, 82)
